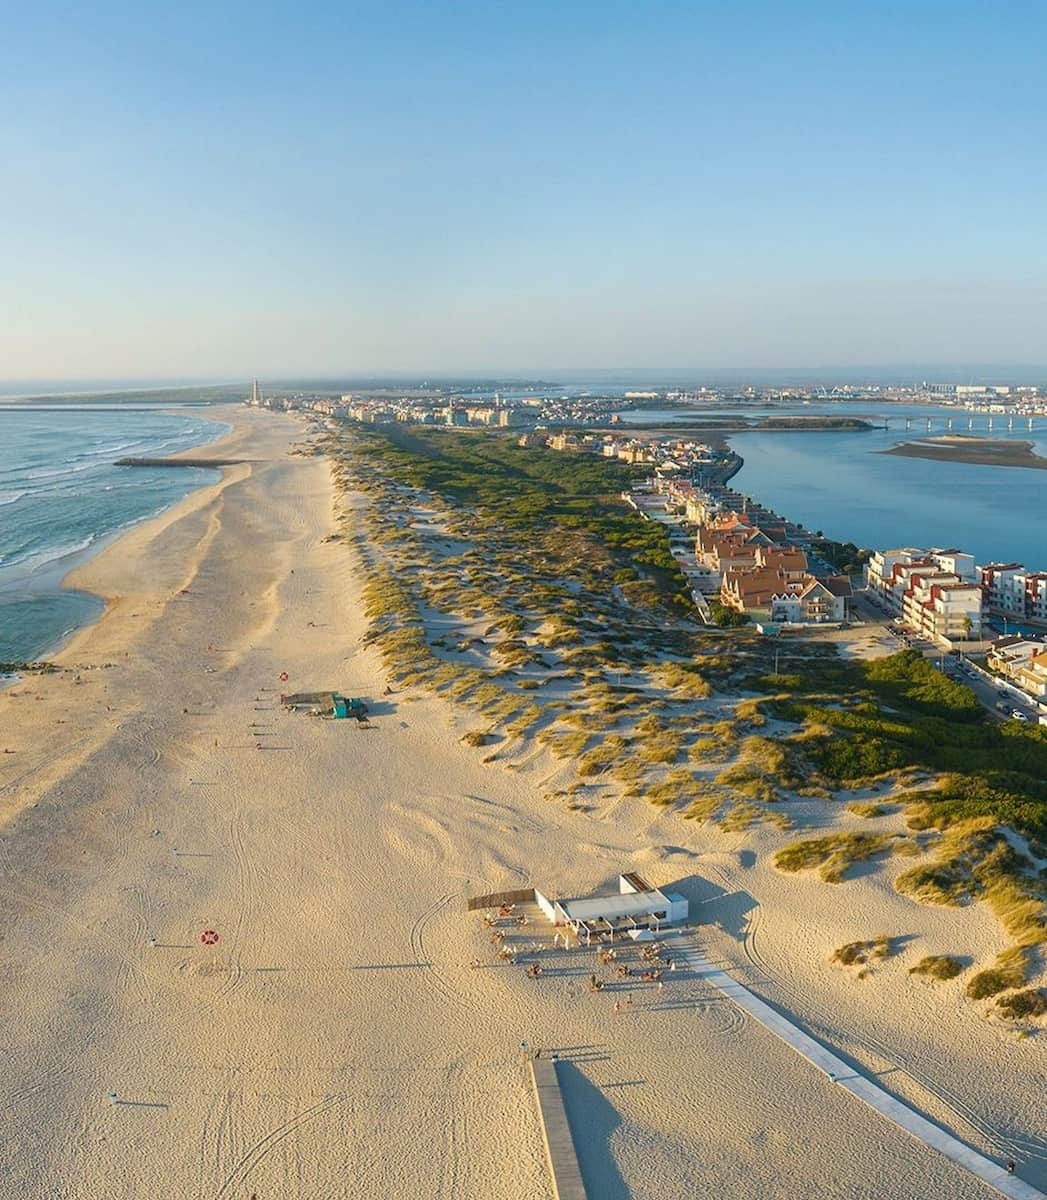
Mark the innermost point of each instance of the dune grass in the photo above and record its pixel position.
(1032, 1002)
(538, 539)
(602, 755)
(834, 853)
(1008, 971)
(938, 966)
(861, 953)
(478, 737)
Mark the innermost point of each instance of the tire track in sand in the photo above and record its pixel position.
(264, 1146)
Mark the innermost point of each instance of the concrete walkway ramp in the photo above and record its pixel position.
(866, 1089)
(559, 1145)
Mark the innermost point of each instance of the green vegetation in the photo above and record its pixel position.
(1007, 972)
(846, 558)
(534, 491)
(868, 810)
(725, 617)
(833, 854)
(861, 953)
(938, 966)
(899, 714)
(1029, 1003)
(499, 576)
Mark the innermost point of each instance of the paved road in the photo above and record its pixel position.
(987, 692)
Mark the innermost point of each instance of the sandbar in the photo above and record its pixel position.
(990, 452)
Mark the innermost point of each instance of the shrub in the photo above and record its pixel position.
(765, 765)
(726, 618)
(1007, 972)
(868, 810)
(478, 737)
(568, 745)
(859, 953)
(938, 966)
(1030, 1003)
(601, 756)
(749, 712)
(834, 853)
(741, 815)
(664, 748)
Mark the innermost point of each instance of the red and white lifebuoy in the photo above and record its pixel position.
(283, 676)
(209, 937)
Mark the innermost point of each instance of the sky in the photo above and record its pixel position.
(229, 190)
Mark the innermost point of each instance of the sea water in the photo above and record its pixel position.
(62, 498)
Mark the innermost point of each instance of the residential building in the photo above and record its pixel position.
(1032, 676)
(1011, 591)
(889, 572)
(941, 606)
(1008, 654)
(1003, 589)
(783, 598)
(1036, 596)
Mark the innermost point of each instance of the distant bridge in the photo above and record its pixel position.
(967, 423)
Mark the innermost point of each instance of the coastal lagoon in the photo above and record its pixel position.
(61, 499)
(837, 483)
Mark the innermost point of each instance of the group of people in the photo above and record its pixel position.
(653, 957)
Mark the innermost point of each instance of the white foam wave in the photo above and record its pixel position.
(62, 471)
(29, 563)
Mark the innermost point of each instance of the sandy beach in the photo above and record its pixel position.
(335, 1041)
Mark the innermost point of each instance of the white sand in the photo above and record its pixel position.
(336, 1043)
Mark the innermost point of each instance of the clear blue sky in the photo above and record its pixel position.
(231, 189)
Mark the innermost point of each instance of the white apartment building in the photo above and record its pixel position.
(888, 571)
(943, 607)
(960, 564)
(1003, 586)
(937, 592)
(880, 573)
(1012, 591)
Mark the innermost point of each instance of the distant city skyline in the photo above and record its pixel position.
(569, 377)
(222, 193)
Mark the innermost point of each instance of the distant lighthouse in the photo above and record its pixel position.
(256, 395)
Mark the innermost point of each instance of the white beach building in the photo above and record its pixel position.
(635, 907)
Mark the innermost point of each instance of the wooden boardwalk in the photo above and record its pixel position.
(858, 1084)
(559, 1145)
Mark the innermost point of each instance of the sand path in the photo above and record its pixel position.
(336, 1042)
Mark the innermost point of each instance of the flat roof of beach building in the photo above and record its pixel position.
(635, 904)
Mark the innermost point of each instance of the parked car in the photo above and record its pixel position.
(1019, 716)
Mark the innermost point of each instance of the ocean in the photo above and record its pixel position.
(62, 499)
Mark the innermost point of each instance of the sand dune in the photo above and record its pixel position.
(336, 1042)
